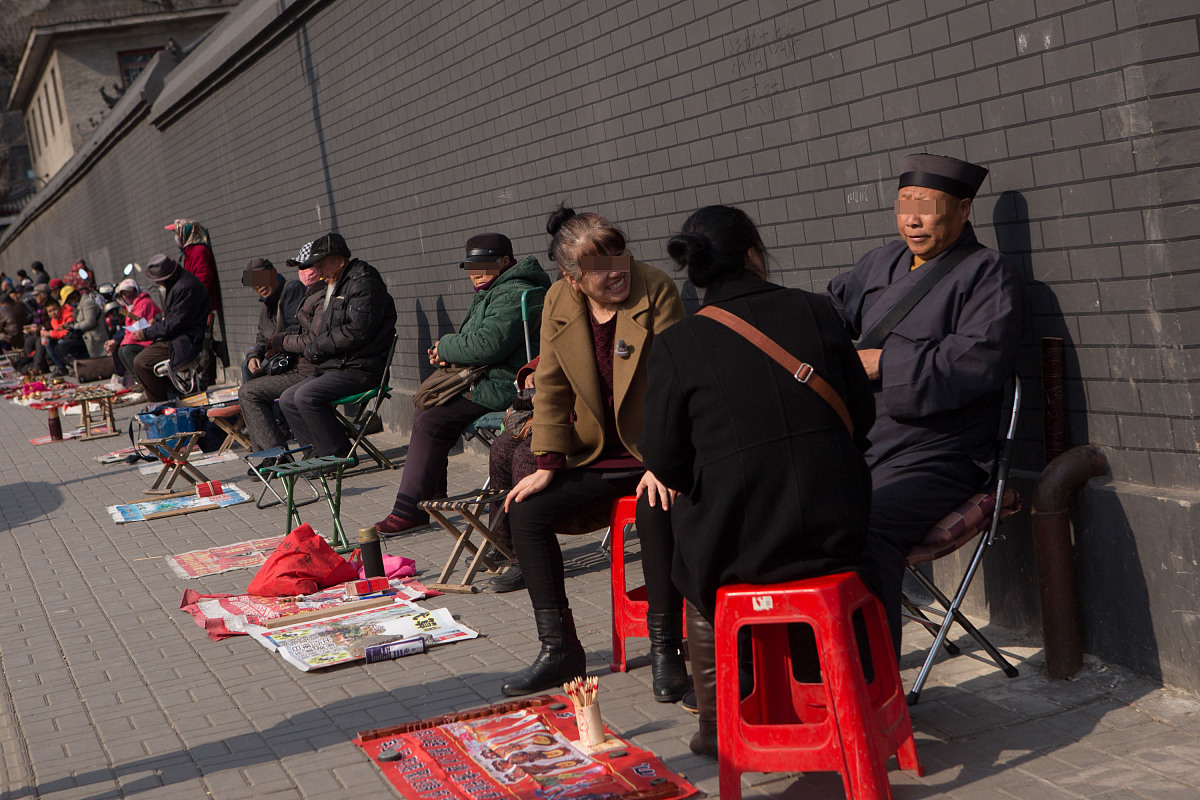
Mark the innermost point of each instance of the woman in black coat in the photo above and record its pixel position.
(772, 486)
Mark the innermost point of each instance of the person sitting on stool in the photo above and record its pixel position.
(179, 333)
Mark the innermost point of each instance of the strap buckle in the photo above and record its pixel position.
(803, 372)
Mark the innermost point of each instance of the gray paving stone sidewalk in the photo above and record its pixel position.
(109, 691)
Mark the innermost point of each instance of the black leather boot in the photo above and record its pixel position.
(666, 657)
(560, 660)
(702, 645)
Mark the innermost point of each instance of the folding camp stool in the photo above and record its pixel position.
(321, 467)
(470, 507)
(276, 452)
(229, 419)
(174, 451)
(103, 399)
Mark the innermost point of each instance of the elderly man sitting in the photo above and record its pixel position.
(349, 348)
(179, 333)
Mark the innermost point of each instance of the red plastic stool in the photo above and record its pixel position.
(629, 606)
(844, 724)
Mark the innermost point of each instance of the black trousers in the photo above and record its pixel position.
(906, 501)
(306, 406)
(435, 431)
(533, 522)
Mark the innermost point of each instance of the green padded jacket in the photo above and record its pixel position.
(493, 334)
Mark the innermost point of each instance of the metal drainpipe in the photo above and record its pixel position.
(1061, 629)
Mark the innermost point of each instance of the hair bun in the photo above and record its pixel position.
(690, 249)
(558, 218)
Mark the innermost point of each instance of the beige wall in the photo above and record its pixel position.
(81, 67)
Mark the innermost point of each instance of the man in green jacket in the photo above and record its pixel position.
(492, 336)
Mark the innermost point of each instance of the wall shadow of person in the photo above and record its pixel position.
(1118, 626)
(24, 502)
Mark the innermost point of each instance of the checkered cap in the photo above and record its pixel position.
(331, 244)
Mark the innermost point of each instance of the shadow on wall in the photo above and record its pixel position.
(25, 502)
(313, 80)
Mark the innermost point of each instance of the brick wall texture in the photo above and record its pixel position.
(410, 125)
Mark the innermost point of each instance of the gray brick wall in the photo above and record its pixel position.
(412, 125)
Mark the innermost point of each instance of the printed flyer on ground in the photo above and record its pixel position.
(336, 640)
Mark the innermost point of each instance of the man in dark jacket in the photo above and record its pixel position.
(179, 333)
(280, 300)
(350, 348)
(939, 370)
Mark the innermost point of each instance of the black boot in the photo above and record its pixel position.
(702, 646)
(561, 658)
(666, 657)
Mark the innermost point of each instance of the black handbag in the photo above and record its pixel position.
(278, 364)
(446, 384)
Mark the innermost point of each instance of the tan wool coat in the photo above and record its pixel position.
(568, 409)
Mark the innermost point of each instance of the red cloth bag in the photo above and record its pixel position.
(303, 563)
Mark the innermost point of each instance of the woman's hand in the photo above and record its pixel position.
(528, 486)
(110, 347)
(656, 491)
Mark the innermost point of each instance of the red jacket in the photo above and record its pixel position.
(198, 260)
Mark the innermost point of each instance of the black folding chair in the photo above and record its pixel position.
(980, 514)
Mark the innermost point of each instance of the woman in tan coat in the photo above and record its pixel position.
(597, 327)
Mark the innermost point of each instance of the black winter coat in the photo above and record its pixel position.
(773, 487)
(186, 305)
(357, 325)
(278, 314)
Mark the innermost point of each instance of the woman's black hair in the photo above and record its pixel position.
(715, 243)
(557, 218)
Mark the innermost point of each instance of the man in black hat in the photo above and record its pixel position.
(350, 347)
(280, 300)
(940, 319)
(179, 333)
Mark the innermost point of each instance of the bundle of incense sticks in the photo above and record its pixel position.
(587, 710)
(582, 691)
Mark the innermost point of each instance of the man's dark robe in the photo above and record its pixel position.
(937, 404)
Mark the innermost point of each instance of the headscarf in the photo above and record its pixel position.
(189, 232)
(127, 285)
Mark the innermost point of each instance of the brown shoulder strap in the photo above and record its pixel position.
(799, 370)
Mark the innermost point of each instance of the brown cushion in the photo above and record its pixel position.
(225, 411)
(962, 525)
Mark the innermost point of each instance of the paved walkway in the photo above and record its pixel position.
(107, 690)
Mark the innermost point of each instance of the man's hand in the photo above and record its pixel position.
(254, 364)
(139, 336)
(110, 347)
(870, 362)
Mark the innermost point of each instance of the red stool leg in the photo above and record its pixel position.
(625, 611)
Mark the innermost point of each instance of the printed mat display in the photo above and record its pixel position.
(224, 615)
(520, 749)
(336, 640)
(226, 558)
(174, 506)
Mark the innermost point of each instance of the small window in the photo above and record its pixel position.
(49, 107)
(57, 99)
(31, 132)
(132, 62)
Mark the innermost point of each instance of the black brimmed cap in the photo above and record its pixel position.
(331, 244)
(959, 178)
(487, 247)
